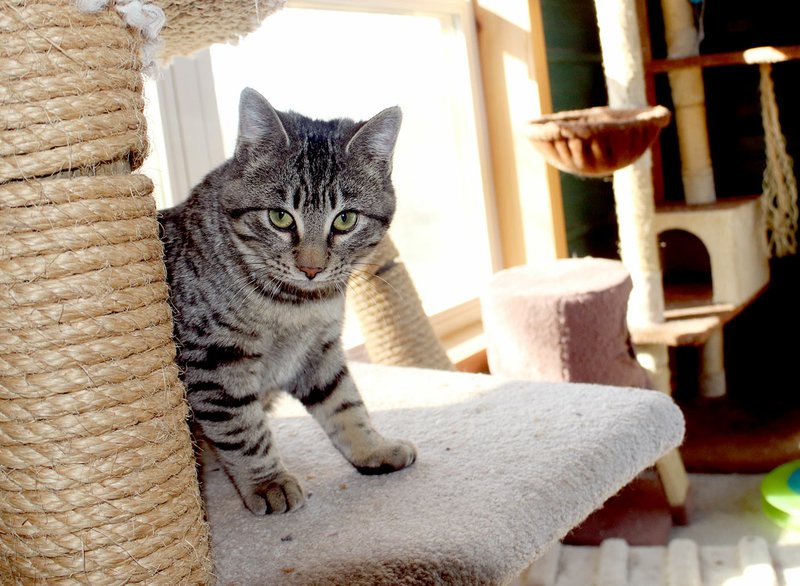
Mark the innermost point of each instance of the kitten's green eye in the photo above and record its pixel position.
(345, 221)
(280, 219)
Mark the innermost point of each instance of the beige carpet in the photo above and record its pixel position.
(505, 468)
(728, 542)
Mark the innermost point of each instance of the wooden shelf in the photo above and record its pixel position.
(723, 203)
(690, 329)
(753, 56)
(689, 325)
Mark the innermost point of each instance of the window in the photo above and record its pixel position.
(326, 59)
(155, 166)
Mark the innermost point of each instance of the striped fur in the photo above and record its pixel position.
(259, 306)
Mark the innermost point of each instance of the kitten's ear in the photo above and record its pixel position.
(378, 136)
(259, 122)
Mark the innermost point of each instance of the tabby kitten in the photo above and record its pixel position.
(257, 261)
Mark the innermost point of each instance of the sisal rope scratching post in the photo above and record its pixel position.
(689, 98)
(633, 188)
(97, 474)
(635, 207)
(396, 330)
(191, 26)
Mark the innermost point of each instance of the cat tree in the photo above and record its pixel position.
(738, 234)
(602, 141)
(97, 475)
(733, 232)
(615, 139)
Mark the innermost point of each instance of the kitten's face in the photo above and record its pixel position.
(315, 197)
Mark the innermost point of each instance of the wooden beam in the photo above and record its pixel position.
(516, 90)
(752, 56)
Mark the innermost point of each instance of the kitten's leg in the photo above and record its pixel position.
(334, 401)
(238, 428)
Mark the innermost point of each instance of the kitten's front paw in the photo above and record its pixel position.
(278, 495)
(388, 457)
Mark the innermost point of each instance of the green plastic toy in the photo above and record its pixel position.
(780, 495)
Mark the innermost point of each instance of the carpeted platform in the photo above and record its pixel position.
(723, 436)
(505, 469)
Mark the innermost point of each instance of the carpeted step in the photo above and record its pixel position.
(753, 562)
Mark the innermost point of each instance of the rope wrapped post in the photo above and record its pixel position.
(635, 207)
(689, 97)
(97, 473)
(396, 330)
(633, 185)
(192, 26)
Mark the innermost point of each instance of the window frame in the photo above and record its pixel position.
(524, 213)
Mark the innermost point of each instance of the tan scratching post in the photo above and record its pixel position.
(97, 474)
(689, 97)
(396, 330)
(633, 195)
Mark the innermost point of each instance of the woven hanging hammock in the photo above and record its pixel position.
(779, 198)
(595, 142)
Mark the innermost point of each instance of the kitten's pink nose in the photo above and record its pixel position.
(310, 272)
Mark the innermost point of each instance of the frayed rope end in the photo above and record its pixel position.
(147, 18)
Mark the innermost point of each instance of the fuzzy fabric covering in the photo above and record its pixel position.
(562, 321)
(505, 468)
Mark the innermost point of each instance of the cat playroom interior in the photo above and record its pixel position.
(696, 294)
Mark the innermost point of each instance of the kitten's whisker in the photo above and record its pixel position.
(373, 294)
(273, 284)
(246, 297)
(248, 280)
(366, 264)
(368, 275)
(341, 287)
(244, 279)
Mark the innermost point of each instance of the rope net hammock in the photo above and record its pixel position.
(779, 199)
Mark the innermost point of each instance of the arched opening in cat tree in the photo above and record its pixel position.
(686, 269)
